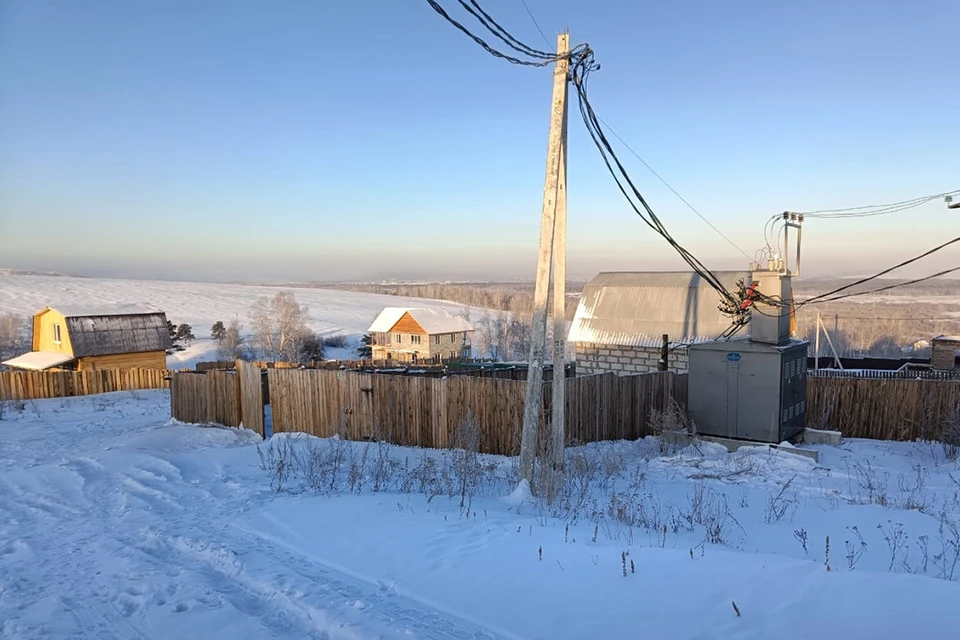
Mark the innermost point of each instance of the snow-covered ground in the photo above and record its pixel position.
(201, 304)
(115, 523)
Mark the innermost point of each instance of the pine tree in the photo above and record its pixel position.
(172, 328)
(218, 331)
(185, 334)
(365, 351)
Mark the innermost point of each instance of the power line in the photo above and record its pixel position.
(582, 64)
(823, 296)
(669, 186)
(891, 286)
(878, 209)
(535, 23)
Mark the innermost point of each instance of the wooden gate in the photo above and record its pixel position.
(251, 396)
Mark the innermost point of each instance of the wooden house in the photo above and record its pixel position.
(413, 335)
(109, 337)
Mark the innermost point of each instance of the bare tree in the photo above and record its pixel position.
(279, 326)
(13, 335)
(231, 344)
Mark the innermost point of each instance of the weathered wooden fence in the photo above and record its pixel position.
(425, 411)
(883, 409)
(34, 385)
(206, 398)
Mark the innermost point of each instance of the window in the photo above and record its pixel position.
(414, 339)
(436, 339)
(56, 334)
(399, 338)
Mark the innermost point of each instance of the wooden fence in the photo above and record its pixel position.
(425, 412)
(913, 373)
(212, 397)
(33, 385)
(883, 409)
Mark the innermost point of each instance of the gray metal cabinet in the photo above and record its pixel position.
(748, 390)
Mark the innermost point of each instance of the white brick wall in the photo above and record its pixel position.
(592, 358)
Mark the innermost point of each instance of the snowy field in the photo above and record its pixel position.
(201, 304)
(115, 523)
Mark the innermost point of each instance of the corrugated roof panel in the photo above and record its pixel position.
(637, 308)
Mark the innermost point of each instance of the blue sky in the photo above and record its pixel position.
(334, 140)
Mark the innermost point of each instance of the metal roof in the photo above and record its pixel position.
(101, 335)
(636, 308)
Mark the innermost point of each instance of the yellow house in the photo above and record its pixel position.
(122, 336)
(412, 335)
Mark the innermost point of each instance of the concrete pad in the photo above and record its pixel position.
(682, 438)
(820, 436)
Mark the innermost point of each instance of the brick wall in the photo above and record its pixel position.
(943, 355)
(597, 358)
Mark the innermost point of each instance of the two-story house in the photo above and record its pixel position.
(412, 335)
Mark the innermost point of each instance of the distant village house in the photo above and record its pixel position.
(413, 335)
(622, 317)
(110, 337)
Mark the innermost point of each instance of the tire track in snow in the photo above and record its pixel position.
(154, 516)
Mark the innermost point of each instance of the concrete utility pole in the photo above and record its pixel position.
(558, 418)
(554, 193)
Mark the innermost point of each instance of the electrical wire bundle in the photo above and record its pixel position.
(582, 63)
(878, 209)
(738, 305)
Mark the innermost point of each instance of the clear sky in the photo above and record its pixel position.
(315, 140)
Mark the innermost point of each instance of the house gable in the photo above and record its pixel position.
(407, 324)
(47, 336)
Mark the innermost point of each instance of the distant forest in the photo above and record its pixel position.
(894, 323)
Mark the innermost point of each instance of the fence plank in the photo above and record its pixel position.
(37, 385)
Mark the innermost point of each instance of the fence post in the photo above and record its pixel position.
(664, 353)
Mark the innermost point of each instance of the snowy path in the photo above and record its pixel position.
(116, 525)
(126, 543)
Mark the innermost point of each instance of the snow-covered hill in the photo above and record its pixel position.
(200, 304)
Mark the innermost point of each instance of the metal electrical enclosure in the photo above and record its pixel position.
(748, 390)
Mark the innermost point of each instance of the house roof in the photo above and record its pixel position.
(110, 309)
(432, 320)
(38, 360)
(636, 308)
(955, 339)
(100, 335)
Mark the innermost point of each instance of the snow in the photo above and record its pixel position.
(433, 321)
(38, 360)
(73, 310)
(201, 304)
(116, 522)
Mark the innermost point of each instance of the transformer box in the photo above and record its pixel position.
(748, 390)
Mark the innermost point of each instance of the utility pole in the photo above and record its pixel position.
(558, 419)
(816, 366)
(552, 195)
